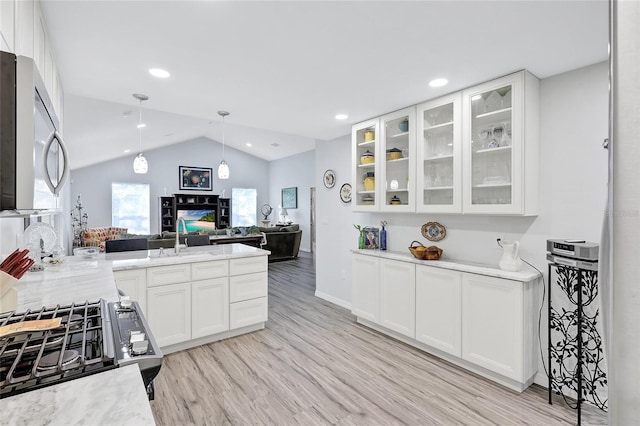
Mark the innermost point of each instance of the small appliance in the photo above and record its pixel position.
(577, 253)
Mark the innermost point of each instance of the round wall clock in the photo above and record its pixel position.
(329, 178)
(433, 231)
(345, 193)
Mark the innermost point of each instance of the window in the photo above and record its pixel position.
(243, 206)
(130, 207)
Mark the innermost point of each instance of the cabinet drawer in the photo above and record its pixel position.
(245, 287)
(161, 275)
(249, 312)
(206, 270)
(248, 265)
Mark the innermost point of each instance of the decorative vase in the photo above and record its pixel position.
(361, 240)
(510, 260)
(383, 239)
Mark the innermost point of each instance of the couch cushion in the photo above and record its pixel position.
(290, 228)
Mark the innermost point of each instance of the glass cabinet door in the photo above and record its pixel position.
(397, 165)
(439, 185)
(493, 146)
(365, 165)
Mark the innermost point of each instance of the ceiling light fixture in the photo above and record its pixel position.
(223, 168)
(160, 73)
(249, 144)
(341, 116)
(438, 82)
(140, 164)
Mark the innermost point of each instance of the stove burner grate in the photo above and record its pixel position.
(51, 360)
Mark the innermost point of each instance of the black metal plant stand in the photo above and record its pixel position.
(575, 354)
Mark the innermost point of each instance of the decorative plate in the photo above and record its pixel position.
(433, 231)
(329, 178)
(345, 193)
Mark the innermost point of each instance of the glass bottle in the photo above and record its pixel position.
(383, 238)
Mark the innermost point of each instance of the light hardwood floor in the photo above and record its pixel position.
(313, 365)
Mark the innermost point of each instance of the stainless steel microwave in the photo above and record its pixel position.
(34, 162)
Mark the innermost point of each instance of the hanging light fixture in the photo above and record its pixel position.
(223, 168)
(140, 164)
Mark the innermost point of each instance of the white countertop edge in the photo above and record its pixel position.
(456, 265)
(74, 402)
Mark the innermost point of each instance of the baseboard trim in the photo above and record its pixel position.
(334, 300)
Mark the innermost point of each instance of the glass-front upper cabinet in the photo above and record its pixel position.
(500, 154)
(365, 155)
(397, 165)
(439, 155)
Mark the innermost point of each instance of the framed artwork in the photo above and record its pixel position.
(195, 178)
(371, 237)
(290, 198)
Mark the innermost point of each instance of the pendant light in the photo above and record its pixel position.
(223, 168)
(140, 164)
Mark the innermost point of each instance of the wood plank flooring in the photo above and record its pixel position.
(313, 365)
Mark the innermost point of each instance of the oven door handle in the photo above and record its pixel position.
(107, 331)
(55, 189)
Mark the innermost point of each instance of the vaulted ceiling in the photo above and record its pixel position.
(284, 69)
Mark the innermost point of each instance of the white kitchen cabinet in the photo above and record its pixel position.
(500, 146)
(133, 283)
(247, 312)
(492, 324)
(365, 279)
(397, 174)
(169, 313)
(24, 28)
(439, 154)
(438, 309)
(170, 274)
(397, 296)
(209, 306)
(248, 265)
(206, 270)
(248, 286)
(366, 159)
(474, 319)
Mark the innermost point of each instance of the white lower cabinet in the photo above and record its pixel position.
(397, 296)
(247, 312)
(169, 313)
(187, 304)
(133, 283)
(209, 307)
(365, 287)
(438, 310)
(480, 322)
(492, 324)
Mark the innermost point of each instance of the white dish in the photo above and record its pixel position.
(41, 235)
(86, 252)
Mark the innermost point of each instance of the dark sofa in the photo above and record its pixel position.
(283, 242)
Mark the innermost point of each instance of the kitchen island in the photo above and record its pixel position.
(118, 392)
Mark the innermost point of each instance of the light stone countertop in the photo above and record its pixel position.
(146, 258)
(526, 274)
(114, 397)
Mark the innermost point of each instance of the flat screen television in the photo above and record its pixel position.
(198, 220)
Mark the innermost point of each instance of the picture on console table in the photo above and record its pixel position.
(290, 198)
(195, 178)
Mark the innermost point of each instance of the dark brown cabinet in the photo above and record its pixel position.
(206, 205)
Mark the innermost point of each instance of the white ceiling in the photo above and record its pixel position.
(285, 68)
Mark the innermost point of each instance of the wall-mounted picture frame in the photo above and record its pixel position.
(195, 178)
(290, 198)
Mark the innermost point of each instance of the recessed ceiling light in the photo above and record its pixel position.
(141, 126)
(160, 73)
(341, 116)
(249, 144)
(438, 82)
(275, 144)
(126, 151)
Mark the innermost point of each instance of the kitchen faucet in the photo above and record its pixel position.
(178, 246)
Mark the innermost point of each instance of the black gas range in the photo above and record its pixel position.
(92, 337)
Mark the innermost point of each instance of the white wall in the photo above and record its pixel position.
(93, 183)
(573, 175)
(294, 171)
